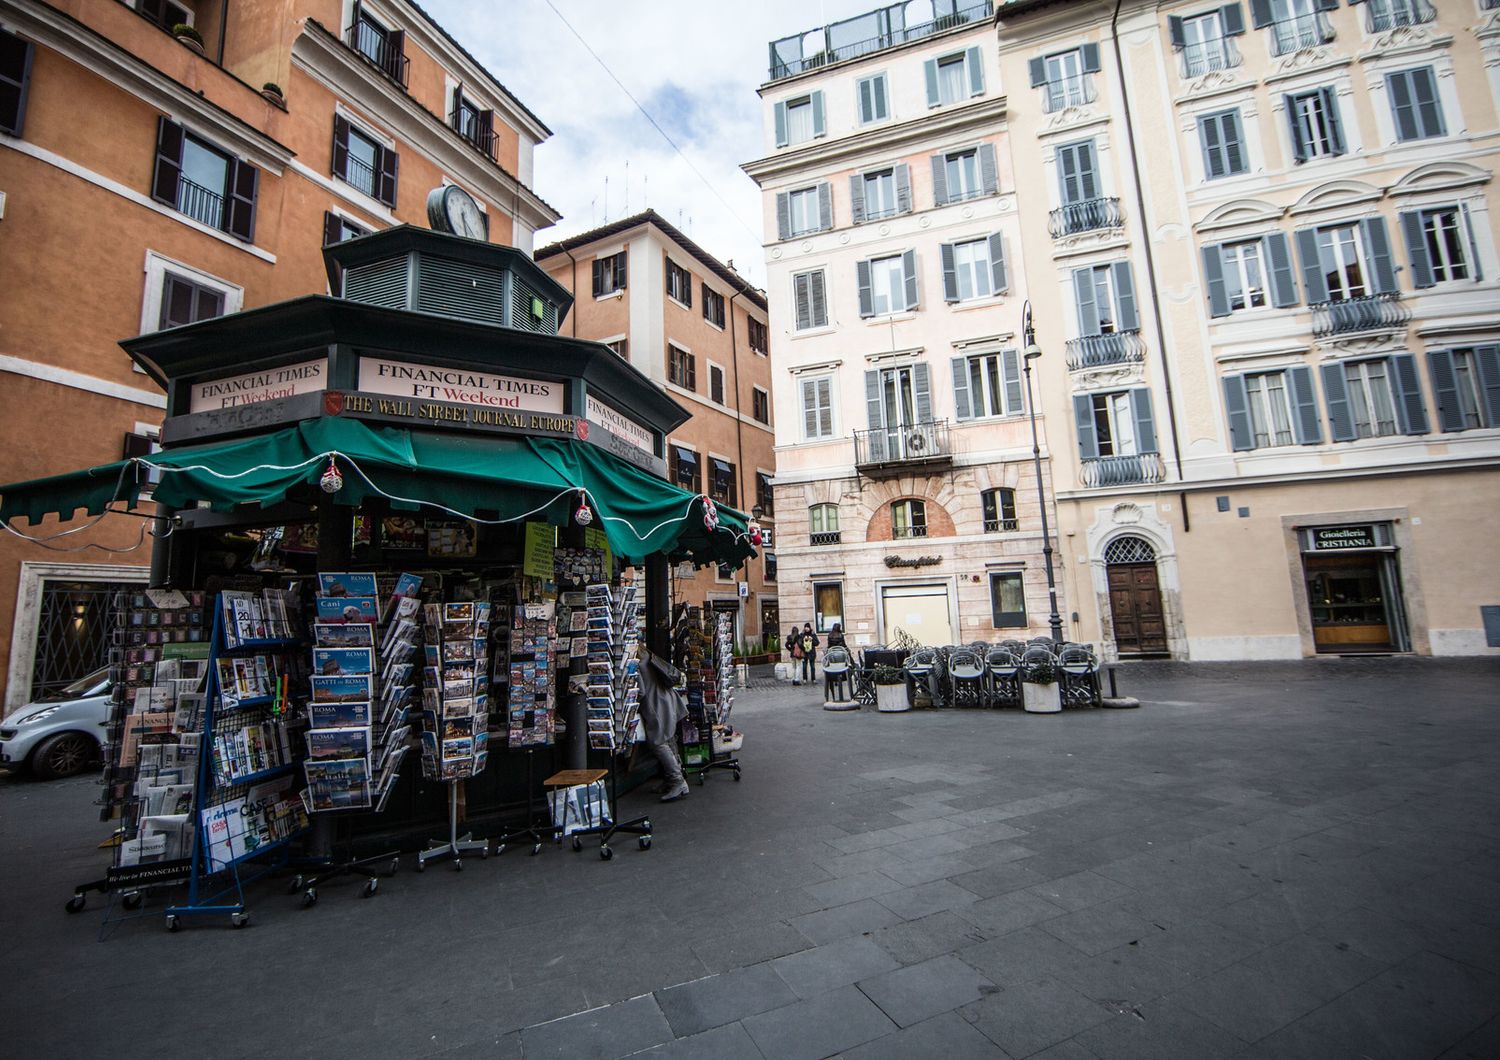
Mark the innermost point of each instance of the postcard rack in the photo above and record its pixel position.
(703, 642)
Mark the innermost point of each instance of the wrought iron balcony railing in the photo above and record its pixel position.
(377, 47)
(914, 443)
(1202, 57)
(1068, 92)
(905, 533)
(826, 537)
(1122, 470)
(1000, 526)
(465, 121)
(1376, 312)
(358, 173)
(865, 34)
(199, 203)
(1293, 34)
(1090, 215)
(1096, 351)
(1391, 14)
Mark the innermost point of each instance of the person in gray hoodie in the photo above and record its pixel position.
(662, 710)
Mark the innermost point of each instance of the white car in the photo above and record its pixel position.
(58, 736)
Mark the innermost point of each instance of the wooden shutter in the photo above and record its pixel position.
(975, 62)
(1145, 422)
(1335, 123)
(1077, 172)
(1487, 360)
(1283, 280)
(1088, 309)
(1326, 5)
(169, 140)
(929, 69)
(903, 187)
(1410, 410)
(15, 81)
(487, 132)
(1038, 70)
(877, 93)
(819, 122)
(825, 206)
(950, 273)
(340, 147)
(874, 407)
(1212, 134)
(1260, 13)
(780, 112)
(1403, 108)
(939, 180)
(866, 297)
(921, 386)
(1299, 143)
(1233, 142)
(1445, 390)
(909, 274)
(1213, 276)
(1010, 371)
(1232, 19)
(1313, 278)
(1083, 422)
(1175, 32)
(1305, 422)
(783, 215)
(1089, 55)
(333, 232)
(385, 179)
(999, 282)
(395, 52)
(1124, 280)
(244, 182)
(961, 407)
(865, 93)
(1336, 393)
(989, 179)
(598, 277)
(1476, 271)
(802, 297)
(1378, 245)
(1416, 249)
(809, 409)
(1237, 405)
(857, 199)
(818, 299)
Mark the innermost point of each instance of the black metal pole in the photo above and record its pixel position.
(1032, 352)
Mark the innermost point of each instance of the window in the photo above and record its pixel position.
(1467, 385)
(1063, 77)
(1223, 144)
(686, 470)
(810, 299)
(828, 605)
(765, 495)
(823, 524)
(1414, 104)
(1343, 262)
(1374, 398)
(973, 269)
(386, 48)
(770, 574)
(1294, 24)
(165, 13)
(336, 229)
(1388, 14)
(682, 368)
(760, 405)
(1244, 275)
(621, 348)
(1316, 129)
(1249, 274)
(202, 182)
(1105, 296)
(1440, 245)
(804, 210)
(1272, 408)
(873, 99)
(1007, 600)
(363, 163)
(722, 485)
(473, 123)
(609, 274)
(953, 78)
(879, 191)
(987, 384)
(679, 283)
(882, 286)
(1116, 423)
(757, 332)
(716, 384)
(1077, 172)
(1205, 39)
(999, 509)
(817, 407)
(799, 120)
(1344, 274)
(713, 307)
(908, 519)
(186, 302)
(15, 78)
(965, 174)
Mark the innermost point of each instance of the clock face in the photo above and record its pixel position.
(464, 215)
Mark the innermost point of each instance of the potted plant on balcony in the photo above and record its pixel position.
(1039, 691)
(272, 91)
(188, 36)
(890, 689)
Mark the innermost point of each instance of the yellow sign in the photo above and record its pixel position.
(539, 560)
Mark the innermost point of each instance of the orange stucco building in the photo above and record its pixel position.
(696, 328)
(151, 177)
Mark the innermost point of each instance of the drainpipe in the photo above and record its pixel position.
(1140, 205)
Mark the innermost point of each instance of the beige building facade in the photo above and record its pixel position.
(699, 330)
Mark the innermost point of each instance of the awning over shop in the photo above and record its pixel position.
(487, 479)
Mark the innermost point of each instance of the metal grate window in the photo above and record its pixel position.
(1129, 550)
(73, 632)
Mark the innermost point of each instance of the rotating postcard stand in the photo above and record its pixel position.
(530, 703)
(455, 713)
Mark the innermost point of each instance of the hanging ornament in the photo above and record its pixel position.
(583, 516)
(755, 535)
(710, 513)
(331, 481)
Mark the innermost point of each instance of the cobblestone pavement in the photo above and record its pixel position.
(1272, 860)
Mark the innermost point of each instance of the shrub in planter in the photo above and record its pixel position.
(182, 31)
(1039, 672)
(890, 675)
(890, 689)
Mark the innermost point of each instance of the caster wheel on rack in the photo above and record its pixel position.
(371, 887)
(309, 898)
(75, 904)
(132, 900)
(173, 924)
(240, 920)
(736, 774)
(645, 842)
(421, 865)
(606, 853)
(294, 885)
(458, 865)
(536, 849)
(499, 849)
(702, 780)
(484, 853)
(393, 867)
(646, 824)
(577, 846)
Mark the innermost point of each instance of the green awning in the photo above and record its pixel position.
(492, 479)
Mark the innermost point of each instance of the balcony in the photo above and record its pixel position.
(465, 121)
(1069, 92)
(1001, 526)
(1392, 14)
(1105, 471)
(199, 203)
(1202, 57)
(1089, 215)
(825, 537)
(358, 173)
(1376, 312)
(907, 533)
(376, 45)
(1097, 351)
(886, 452)
(866, 34)
(1293, 34)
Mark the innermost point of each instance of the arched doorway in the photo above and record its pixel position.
(1135, 597)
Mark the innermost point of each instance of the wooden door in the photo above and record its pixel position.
(1135, 604)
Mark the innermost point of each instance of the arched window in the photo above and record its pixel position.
(908, 519)
(823, 524)
(999, 510)
(1129, 549)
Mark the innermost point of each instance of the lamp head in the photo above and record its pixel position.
(1032, 352)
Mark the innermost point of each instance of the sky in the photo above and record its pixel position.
(694, 66)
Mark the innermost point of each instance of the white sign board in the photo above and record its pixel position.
(622, 426)
(236, 390)
(462, 386)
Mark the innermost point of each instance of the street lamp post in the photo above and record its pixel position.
(1032, 352)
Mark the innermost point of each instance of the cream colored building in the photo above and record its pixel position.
(905, 493)
(1261, 242)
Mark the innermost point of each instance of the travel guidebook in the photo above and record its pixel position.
(330, 662)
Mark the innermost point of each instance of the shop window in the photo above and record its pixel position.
(1007, 600)
(828, 605)
(609, 274)
(682, 368)
(908, 519)
(999, 510)
(201, 181)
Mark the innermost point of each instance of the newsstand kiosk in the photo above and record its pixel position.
(413, 518)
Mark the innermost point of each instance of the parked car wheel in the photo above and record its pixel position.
(63, 755)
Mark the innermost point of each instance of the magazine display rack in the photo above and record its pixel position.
(703, 643)
(455, 714)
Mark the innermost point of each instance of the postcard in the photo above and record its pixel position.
(347, 609)
(459, 748)
(338, 743)
(339, 635)
(329, 662)
(343, 583)
(335, 688)
(339, 715)
(454, 728)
